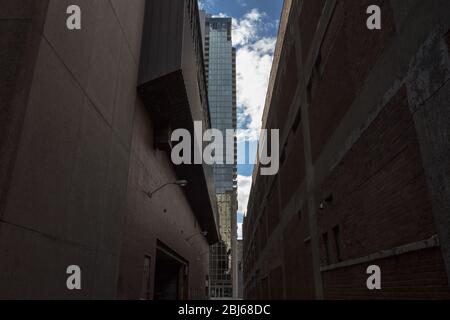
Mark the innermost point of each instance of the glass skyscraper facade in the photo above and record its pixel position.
(220, 60)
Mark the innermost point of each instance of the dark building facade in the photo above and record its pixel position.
(86, 117)
(240, 269)
(364, 126)
(220, 59)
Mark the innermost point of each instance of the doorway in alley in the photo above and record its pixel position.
(171, 275)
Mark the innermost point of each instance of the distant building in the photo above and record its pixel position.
(364, 125)
(86, 118)
(220, 58)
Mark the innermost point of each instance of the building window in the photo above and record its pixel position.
(337, 242)
(326, 250)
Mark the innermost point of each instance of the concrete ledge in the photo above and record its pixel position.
(411, 247)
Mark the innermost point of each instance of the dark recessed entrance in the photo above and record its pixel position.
(171, 275)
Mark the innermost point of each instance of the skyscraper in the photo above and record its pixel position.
(220, 59)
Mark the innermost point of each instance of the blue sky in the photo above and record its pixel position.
(255, 27)
(238, 8)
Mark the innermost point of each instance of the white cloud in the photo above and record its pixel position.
(245, 30)
(254, 62)
(244, 186)
(239, 232)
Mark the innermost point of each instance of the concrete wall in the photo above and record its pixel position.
(21, 26)
(362, 178)
(84, 158)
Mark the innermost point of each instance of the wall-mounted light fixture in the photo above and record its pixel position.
(181, 183)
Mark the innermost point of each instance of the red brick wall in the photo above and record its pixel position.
(263, 230)
(276, 284)
(273, 208)
(415, 275)
(379, 194)
(379, 187)
(288, 86)
(380, 201)
(365, 46)
(308, 20)
(292, 171)
(298, 260)
(349, 48)
(265, 294)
